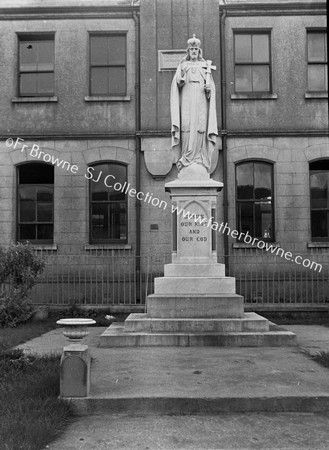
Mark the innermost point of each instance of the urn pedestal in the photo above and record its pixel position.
(75, 359)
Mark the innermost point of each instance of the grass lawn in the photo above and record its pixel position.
(10, 337)
(31, 414)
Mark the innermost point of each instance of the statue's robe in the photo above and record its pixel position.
(193, 114)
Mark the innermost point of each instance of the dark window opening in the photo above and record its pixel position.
(317, 58)
(108, 203)
(319, 186)
(252, 62)
(108, 66)
(35, 203)
(254, 203)
(36, 65)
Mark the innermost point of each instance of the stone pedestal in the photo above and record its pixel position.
(194, 304)
(75, 371)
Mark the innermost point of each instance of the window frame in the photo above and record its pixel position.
(34, 37)
(108, 34)
(251, 32)
(35, 223)
(308, 63)
(311, 172)
(239, 201)
(91, 202)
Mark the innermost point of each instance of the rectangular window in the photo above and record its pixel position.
(252, 62)
(108, 65)
(319, 184)
(36, 65)
(254, 203)
(108, 206)
(35, 203)
(317, 58)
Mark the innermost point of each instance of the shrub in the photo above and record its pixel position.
(19, 270)
(14, 308)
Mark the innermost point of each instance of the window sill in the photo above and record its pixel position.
(52, 247)
(34, 99)
(254, 96)
(123, 98)
(309, 95)
(243, 245)
(108, 247)
(318, 244)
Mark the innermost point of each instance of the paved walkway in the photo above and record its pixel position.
(138, 396)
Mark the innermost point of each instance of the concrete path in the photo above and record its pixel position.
(197, 432)
(170, 398)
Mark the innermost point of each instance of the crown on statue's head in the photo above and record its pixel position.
(194, 42)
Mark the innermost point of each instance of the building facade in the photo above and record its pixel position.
(86, 145)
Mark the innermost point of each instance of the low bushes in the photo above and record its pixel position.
(31, 414)
(19, 269)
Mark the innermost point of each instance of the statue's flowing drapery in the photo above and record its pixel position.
(193, 114)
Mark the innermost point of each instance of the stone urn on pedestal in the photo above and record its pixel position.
(75, 329)
(75, 360)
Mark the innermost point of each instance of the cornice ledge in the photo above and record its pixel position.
(54, 12)
(297, 8)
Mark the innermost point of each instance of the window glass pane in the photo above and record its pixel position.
(108, 220)
(104, 178)
(242, 48)
(99, 81)
(27, 193)
(36, 173)
(117, 80)
(244, 176)
(319, 224)
(45, 54)
(243, 79)
(44, 194)
(44, 232)
(322, 164)
(117, 50)
(123, 221)
(263, 219)
(246, 218)
(28, 83)
(319, 190)
(260, 48)
(28, 56)
(118, 221)
(99, 50)
(316, 77)
(261, 78)
(99, 221)
(27, 211)
(120, 174)
(27, 232)
(45, 83)
(263, 181)
(44, 212)
(99, 191)
(316, 47)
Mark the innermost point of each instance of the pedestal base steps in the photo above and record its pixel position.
(250, 331)
(213, 315)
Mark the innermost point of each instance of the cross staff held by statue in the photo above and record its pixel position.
(209, 68)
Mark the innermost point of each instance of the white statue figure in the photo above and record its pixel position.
(193, 108)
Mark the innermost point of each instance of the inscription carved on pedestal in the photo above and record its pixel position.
(193, 235)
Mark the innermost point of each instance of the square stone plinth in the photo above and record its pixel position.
(193, 305)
